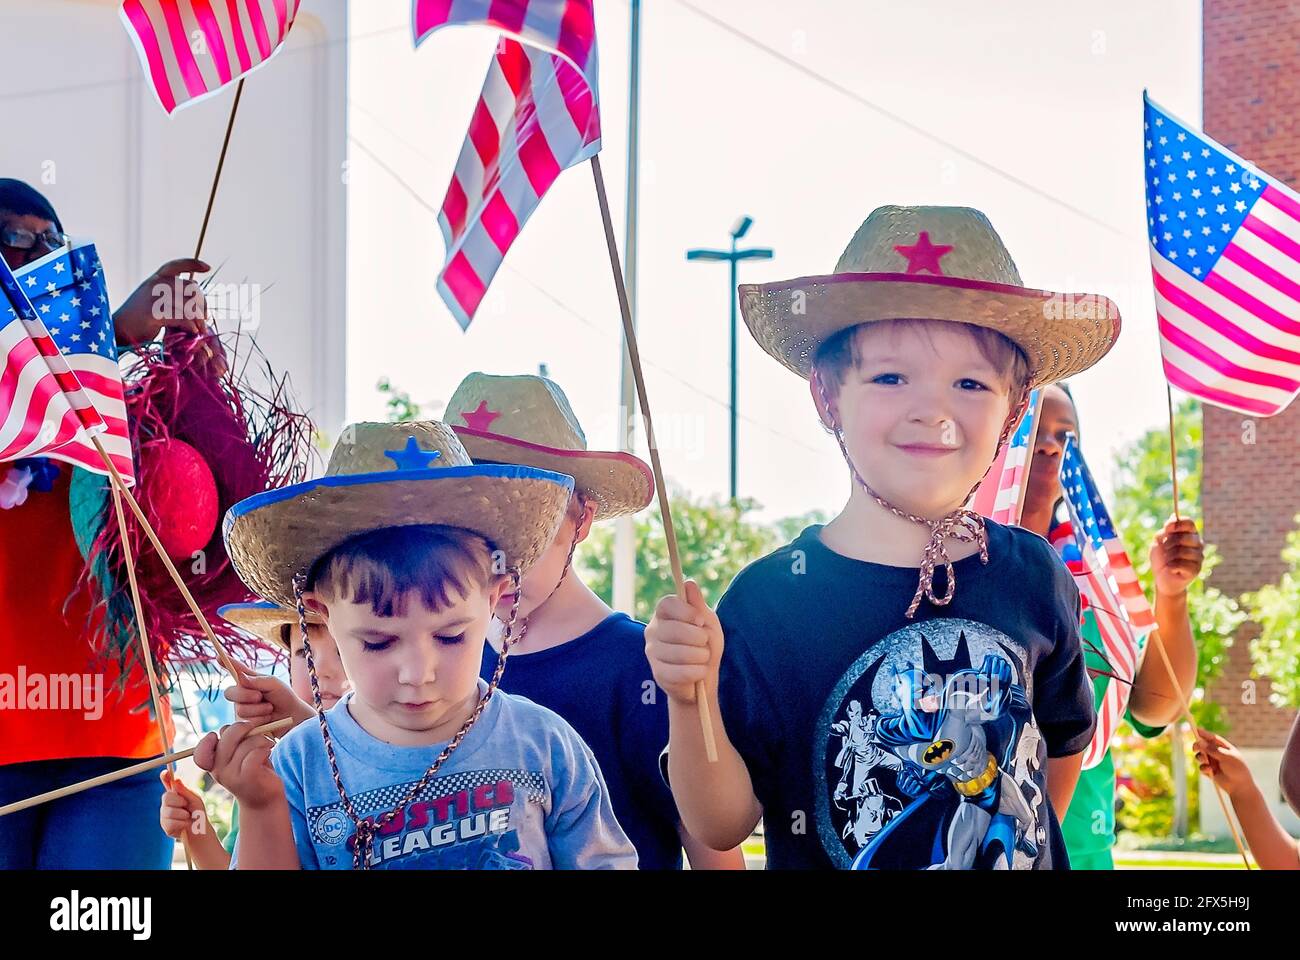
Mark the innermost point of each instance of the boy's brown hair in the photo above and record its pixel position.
(840, 353)
(385, 567)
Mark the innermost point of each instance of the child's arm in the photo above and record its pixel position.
(1273, 847)
(684, 646)
(242, 764)
(183, 817)
(266, 699)
(1176, 558)
(1062, 778)
(701, 857)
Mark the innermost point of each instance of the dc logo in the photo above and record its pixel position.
(331, 827)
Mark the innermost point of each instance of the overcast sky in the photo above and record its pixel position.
(805, 117)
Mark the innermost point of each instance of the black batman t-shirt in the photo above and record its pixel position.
(878, 742)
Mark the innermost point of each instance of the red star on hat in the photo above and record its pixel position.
(924, 255)
(480, 418)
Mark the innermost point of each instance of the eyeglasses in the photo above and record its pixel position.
(20, 239)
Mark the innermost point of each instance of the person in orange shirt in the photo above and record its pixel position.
(46, 639)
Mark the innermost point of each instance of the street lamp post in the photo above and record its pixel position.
(733, 257)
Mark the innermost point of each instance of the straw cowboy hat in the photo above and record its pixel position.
(392, 475)
(265, 620)
(938, 263)
(528, 420)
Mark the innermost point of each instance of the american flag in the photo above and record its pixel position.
(60, 371)
(1001, 496)
(1108, 586)
(536, 116)
(190, 49)
(1225, 258)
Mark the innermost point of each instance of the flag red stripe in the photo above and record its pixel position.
(180, 46)
(1275, 318)
(515, 66)
(464, 283)
(1283, 200)
(455, 206)
(259, 27)
(37, 407)
(499, 222)
(1189, 384)
(20, 354)
(153, 52)
(508, 14)
(577, 97)
(212, 35)
(430, 14)
(281, 19)
(1272, 235)
(1217, 361)
(577, 32)
(1253, 265)
(539, 163)
(237, 32)
(1220, 323)
(485, 136)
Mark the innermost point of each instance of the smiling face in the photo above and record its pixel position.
(922, 405)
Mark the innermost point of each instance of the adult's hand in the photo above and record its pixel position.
(163, 300)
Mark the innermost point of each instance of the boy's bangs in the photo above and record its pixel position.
(842, 352)
(384, 568)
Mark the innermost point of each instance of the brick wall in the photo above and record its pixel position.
(1251, 493)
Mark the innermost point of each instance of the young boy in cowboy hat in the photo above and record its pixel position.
(876, 714)
(404, 549)
(575, 655)
(260, 699)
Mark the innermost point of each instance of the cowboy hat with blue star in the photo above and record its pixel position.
(392, 475)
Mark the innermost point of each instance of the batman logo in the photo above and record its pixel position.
(938, 752)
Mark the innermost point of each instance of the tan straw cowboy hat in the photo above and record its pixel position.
(392, 475)
(528, 420)
(265, 620)
(936, 263)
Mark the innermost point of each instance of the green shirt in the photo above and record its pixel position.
(233, 835)
(1089, 824)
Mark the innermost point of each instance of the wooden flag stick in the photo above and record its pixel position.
(266, 729)
(1187, 712)
(223, 655)
(221, 162)
(634, 356)
(1173, 450)
(154, 692)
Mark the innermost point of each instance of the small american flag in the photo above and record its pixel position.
(1001, 496)
(1225, 258)
(1108, 586)
(190, 49)
(536, 116)
(60, 377)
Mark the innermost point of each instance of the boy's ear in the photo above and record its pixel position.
(314, 604)
(814, 388)
(586, 520)
(499, 590)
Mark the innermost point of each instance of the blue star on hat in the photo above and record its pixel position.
(411, 457)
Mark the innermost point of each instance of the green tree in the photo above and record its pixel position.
(715, 539)
(401, 408)
(1143, 503)
(1275, 653)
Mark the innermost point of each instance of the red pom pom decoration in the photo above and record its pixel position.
(179, 495)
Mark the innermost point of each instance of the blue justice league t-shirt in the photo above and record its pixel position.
(521, 792)
(878, 742)
(601, 683)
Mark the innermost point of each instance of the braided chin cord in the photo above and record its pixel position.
(963, 525)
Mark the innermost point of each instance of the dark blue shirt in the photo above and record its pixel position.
(601, 684)
(874, 741)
